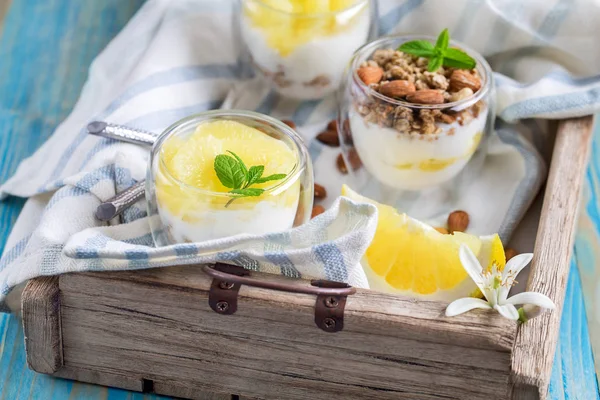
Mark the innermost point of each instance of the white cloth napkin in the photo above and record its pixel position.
(176, 58)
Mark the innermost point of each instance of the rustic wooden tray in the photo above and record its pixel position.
(154, 330)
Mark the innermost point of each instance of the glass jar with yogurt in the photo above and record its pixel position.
(302, 47)
(414, 131)
(227, 172)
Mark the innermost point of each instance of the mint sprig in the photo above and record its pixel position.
(233, 174)
(440, 54)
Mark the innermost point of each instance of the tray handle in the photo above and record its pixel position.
(227, 280)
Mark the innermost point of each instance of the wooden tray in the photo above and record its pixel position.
(154, 331)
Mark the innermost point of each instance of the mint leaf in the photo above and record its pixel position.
(242, 165)
(252, 192)
(229, 171)
(233, 174)
(435, 63)
(254, 174)
(443, 40)
(419, 48)
(439, 54)
(274, 177)
(459, 59)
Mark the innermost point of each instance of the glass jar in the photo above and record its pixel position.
(416, 157)
(183, 204)
(302, 48)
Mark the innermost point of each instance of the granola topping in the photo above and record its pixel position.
(405, 77)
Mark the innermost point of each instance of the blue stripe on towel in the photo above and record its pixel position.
(550, 104)
(284, 263)
(268, 103)
(186, 250)
(12, 254)
(333, 262)
(144, 240)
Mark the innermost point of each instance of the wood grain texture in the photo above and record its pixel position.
(41, 325)
(160, 327)
(536, 341)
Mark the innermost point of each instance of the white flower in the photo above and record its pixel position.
(495, 284)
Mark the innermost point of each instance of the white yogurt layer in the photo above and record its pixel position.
(264, 217)
(322, 57)
(415, 161)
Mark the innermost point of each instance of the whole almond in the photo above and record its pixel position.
(317, 210)
(329, 137)
(426, 96)
(320, 191)
(341, 164)
(441, 229)
(332, 125)
(397, 89)
(354, 159)
(461, 79)
(458, 221)
(289, 123)
(370, 75)
(510, 253)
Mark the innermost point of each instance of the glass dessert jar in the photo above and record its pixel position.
(414, 131)
(302, 47)
(226, 172)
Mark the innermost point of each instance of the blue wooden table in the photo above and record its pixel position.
(45, 50)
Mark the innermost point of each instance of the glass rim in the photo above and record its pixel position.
(371, 46)
(299, 147)
(357, 4)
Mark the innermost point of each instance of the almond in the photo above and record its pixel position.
(397, 89)
(332, 125)
(341, 164)
(320, 191)
(330, 138)
(442, 230)
(370, 75)
(458, 221)
(354, 159)
(289, 123)
(426, 96)
(510, 253)
(461, 79)
(317, 210)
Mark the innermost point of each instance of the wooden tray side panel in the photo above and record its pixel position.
(160, 329)
(41, 325)
(533, 354)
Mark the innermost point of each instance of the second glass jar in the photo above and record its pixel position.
(411, 148)
(301, 47)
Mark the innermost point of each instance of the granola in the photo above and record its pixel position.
(419, 87)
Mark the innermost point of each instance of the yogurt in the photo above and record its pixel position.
(264, 217)
(314, 65)
(413, 161)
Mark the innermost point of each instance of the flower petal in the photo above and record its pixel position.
(536, 299)
(465, 304)
(503, 293)
(471, 264)
(507, 311)
(516, 264)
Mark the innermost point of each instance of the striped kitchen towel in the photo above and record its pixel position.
(176, 58)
